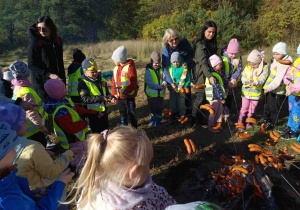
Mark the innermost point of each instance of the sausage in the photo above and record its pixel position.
(251, 120)
(208, 108)
(268, 152)
(285, 62)
(193, 145)
(255, 149)
(181, 118)
(263, 161)
(274, 135)
(256, 159)
(187, 90)
(226, 161)
(170, 113)
(244, 136)
(271, 142)
(296, 144)
(293, 147)
(239, 124)
(240, 168)
(216, 127)
(284, 149)
(275, 165)
(270, 159)
(263, 129)
(185, 120)
(181, 90)
(254, 145)
(188, 146)
(199, 86)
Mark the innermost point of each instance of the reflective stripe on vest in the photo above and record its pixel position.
(124, 79)
(32, 128)
(94, 91)
(73, 83)
(75, 118)
(295, 78)
(209, 89)
(182, 78)
(255, 91)
(271, 78)
(227, 67)
(151, 92)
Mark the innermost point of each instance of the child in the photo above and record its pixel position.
(253, 78)
(231, 70)
(34, 162)
(23, 89)
(15, 192)
(68, 125)
(215, 94)
(274, 87)
(291, 80)
(155, 88)
(125, 85)
(93, 91)
(116, 174)
(181, 77)
(74, 72)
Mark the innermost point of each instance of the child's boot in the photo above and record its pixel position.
(158, 122)
(152, 120)
(284, 130)
(289, 135)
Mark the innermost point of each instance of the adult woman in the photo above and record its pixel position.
(204, 46)
(45, 54)
(172, 43)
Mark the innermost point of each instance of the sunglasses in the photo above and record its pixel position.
(172, 40)
(42, 29)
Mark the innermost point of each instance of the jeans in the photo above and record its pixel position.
(127, 107)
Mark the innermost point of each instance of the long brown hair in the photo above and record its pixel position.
(50, 24)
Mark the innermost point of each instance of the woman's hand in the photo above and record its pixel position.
(54, 76)
(212, 80)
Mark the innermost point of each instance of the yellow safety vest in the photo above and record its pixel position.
(75, 118)
(226, 66)
(182, 78)
(73, 83)
(209, 89)
(124, 79)
(255, 91)
(94, 91)
(32, 128)
(151, 92)
(271, 78)
(296, 78)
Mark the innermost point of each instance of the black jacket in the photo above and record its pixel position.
(44, 57)
(84, 92)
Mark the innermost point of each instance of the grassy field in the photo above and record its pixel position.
(171, 164)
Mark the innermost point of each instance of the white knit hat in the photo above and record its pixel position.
(280, 48)
(120, 54)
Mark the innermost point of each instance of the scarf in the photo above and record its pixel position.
(21, 82)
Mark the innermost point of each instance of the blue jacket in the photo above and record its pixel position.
(15, 194)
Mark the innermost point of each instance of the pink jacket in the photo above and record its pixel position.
(287, 76)
(33, 115)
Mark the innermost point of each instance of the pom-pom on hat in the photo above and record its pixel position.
(55, 88)
(233, 46)
(120, 54)
(89, 64)
(9, 139)
(214, 60)
(280, 48)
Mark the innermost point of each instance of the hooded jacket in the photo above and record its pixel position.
(44, 57)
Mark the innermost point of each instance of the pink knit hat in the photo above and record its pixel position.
(233, 46)
(55, 88)
(214, 60)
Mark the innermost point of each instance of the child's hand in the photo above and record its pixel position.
(114, 101)
(288, 92)
(184, 65)
(54, 76)
(223, 101)
(162, 87)
(174, 88)
(251, 85)
(100, 114)
(66, 176)
(76, 150)
(266, 91)
(105, 99)
(43, 129)
(212, 80)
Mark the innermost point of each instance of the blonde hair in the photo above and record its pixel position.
(110, 160)
(170, 32)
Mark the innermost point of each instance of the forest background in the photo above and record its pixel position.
(252, 22)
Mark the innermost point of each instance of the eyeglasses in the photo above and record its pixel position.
(172, 40)
(42, 29)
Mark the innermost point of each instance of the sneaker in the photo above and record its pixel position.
(50, 145)
(269, 126)
(289, 135)
(284, 130)
(249, 126)
(261, 121)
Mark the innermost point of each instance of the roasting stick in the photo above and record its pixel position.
(290, 184)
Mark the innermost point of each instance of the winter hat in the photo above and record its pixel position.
(233, 46)
(13, 115)
(1, 74)
(298, 50)
(19, 70)
(155, 57)
(280, 48)
(55, 88)
(214, 60)
(9, 139)
(255, 56)
(120, 54)
(175, 57)
(78, 56)
(8, 76)
(89, 64)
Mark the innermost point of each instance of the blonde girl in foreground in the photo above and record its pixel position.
(116, 174)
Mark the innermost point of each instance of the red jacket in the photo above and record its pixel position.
(132, 75)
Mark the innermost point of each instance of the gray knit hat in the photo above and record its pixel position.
(155, 57)
(19, 70)
(120, 54)
(175, 57)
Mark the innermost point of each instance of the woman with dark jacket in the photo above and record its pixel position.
(204, 46)
(172, 43)
(45, 55)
